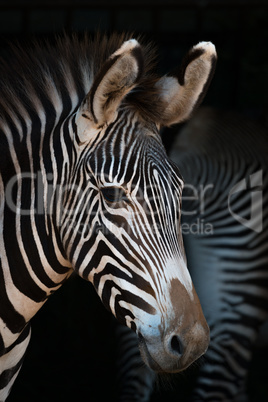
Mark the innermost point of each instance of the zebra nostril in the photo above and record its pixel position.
(176, 345)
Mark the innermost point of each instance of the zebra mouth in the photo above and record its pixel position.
(146, 356)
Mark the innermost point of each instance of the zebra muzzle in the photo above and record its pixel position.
(180, 340)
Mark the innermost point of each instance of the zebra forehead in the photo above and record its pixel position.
(141, 172)
(142, 155)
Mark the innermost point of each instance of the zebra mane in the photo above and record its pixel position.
(43, 73)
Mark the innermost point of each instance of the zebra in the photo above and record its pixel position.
(233, 261)
(223, 159)
(86, 186)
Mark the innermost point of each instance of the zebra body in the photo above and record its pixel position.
(226, 155)
(86, 185)
(223, 159)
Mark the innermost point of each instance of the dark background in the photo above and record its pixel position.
(71, 354)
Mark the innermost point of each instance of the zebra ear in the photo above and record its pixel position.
(184, 90)
(119, 74)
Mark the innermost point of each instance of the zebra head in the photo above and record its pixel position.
(123, 231)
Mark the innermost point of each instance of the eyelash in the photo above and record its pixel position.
(114, 194)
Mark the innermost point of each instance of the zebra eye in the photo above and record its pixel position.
(114, 194)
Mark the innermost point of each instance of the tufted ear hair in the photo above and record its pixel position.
(117, 77)
(183, 91)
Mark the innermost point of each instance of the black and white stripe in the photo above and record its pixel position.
(227, 259)
(228, 265)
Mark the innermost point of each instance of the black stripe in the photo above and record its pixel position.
(20, 339)
(7, 375)
(14, 321)
(2, 346)
(19, 272)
